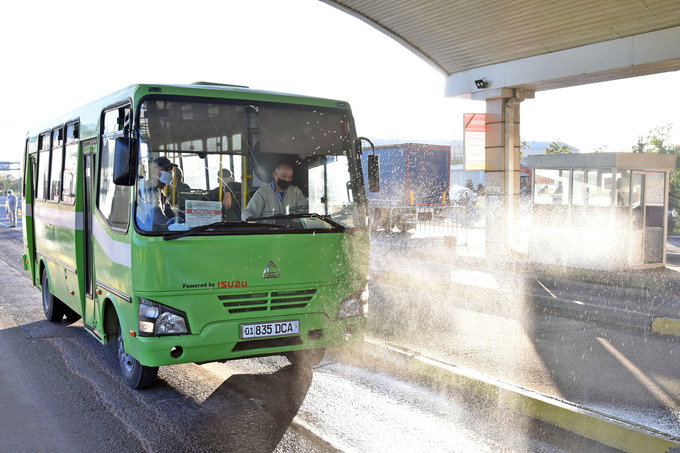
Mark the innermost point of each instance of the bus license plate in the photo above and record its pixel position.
(269, 329)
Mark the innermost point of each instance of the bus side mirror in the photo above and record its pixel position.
(373, 163)
(125, 161)
(373, 173)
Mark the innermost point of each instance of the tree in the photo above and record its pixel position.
(657, 142)
(639, 147)
(523, 146)
(558, 148)
(7, 182)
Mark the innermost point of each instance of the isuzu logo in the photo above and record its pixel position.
(271, 271)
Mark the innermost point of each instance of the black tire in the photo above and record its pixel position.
(52, 307)
(137, 375)
(306, 358)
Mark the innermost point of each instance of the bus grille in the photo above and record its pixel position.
(267, 301)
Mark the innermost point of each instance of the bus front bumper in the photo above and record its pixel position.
(223, 340)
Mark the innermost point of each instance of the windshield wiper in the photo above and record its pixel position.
(215, 225)
(325, 218)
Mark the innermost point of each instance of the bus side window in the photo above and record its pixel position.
(113, 201)
(56, 165)
(42, 177)
(68, 193)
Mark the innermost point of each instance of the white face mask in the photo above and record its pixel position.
(166, 177)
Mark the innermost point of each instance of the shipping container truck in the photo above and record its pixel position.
(414, 185)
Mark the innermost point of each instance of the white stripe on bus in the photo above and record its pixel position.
(118, 252)
(27, 210)
(66, 219)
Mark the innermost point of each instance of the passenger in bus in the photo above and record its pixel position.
(279, 197)
(178, 189)
(231, 195)
(154, 208)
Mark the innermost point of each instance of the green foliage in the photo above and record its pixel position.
(658, 142)
(523, 146)
(674, 198)
(558, 148)
(8, 181)
(639, 147)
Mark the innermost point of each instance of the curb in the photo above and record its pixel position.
(666, 326)
(642, 322)
(608, 315)
(605, 429)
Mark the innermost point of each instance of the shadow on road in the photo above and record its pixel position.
(251, 412)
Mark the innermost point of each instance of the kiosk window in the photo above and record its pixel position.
(623, 188)
(636, 200)
(592, 187)
(552, 187)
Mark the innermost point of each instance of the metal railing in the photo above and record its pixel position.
(449, 224)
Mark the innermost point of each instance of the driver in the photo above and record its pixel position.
(278, 197)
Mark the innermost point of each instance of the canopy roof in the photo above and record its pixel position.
(460, 35)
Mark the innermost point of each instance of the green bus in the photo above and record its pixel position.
(135, 221)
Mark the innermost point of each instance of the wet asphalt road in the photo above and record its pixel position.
(60, 390)
(484, 318)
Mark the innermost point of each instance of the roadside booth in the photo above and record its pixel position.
(603, 211)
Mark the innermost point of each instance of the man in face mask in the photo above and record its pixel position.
(154, 208)
(279, 197)
(161, 171)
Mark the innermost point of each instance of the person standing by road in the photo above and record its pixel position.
(11, 206)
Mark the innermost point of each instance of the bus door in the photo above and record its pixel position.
(90, 314)
(27, 214)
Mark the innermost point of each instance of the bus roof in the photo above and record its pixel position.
(89, 114)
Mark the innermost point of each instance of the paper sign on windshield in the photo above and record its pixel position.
(199, 213)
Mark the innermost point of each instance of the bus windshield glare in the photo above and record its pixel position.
(202, 163)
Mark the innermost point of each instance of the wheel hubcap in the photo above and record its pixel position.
(126, 360)
(46, 295)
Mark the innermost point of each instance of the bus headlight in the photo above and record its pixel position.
(354, 305)
(157, 319)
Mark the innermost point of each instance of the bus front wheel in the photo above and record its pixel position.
(306, 358)
(137, 375)
(53, 307)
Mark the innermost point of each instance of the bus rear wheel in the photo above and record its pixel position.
(53, 307)
(137, 375)
(306, 358)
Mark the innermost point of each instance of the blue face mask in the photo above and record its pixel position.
(166, 177)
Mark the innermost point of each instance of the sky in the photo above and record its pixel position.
(60, 55)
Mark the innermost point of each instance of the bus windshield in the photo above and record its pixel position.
(217, 167)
